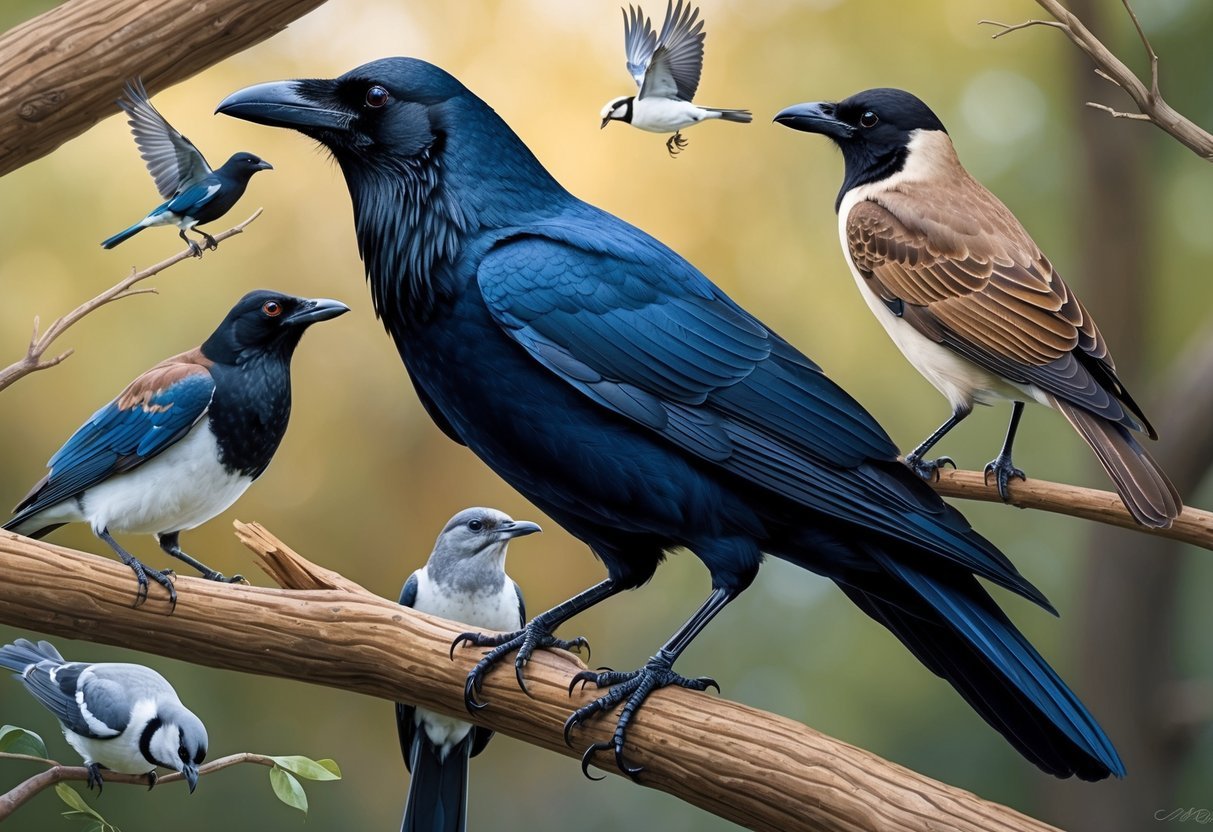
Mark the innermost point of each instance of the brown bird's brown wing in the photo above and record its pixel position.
(968, 276)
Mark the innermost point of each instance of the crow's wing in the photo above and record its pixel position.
(171, 158)
(676, 64)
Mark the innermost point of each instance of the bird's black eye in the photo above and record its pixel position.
(271, 308)
(376, 97)
(183, 754)
(868, 119)
(475, 525)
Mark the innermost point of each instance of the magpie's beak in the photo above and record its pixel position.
(517, 528)
(605, 121)
(815, 117)
(280, 104)
(190, 773)
(314, 310)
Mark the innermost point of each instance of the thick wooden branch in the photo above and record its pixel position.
(1193, 525)
(61, 72)
(754, 768)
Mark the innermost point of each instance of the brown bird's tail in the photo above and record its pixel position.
(1147, 493)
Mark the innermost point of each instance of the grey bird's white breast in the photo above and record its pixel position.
(119, 753)
(666, 115)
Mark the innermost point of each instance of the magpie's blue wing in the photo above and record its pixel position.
(172, 159)
(641, 332)
(153, 412)
(194, 197)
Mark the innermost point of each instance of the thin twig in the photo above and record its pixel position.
(39, 344)
(1117, 113)
(1008, 28)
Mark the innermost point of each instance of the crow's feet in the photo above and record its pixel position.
(631, 688)
(164, 578)
(526, 641)
(928, 469)
(212, 575)
(1003, 472)
(675, 144)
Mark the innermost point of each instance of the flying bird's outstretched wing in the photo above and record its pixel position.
(639, 41)
(171, 158)
(673, 68)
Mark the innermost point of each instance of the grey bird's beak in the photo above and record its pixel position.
(518, 528)
(815, 117)
(314, 310)
(605, 121)
(190, 772)
(279, 104)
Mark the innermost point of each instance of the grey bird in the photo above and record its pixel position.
(464, 580)
(120, 717)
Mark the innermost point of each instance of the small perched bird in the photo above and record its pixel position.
(119, 717)
(195, 194)
(464, 580)
(969, 298)
(667, 70)
(638, 406)
(184, 440)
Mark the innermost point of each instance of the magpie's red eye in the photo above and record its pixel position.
(868, 119)
(376, 97)
(272, 308)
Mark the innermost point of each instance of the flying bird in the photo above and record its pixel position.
(969, 298)
(183, 441)
(625, 395)
(194, 193)
(464, 580)
(667, 70)
(119, 717)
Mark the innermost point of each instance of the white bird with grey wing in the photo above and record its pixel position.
(119, 717)
(666, 68)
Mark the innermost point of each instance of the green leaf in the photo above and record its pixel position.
(288, 789)
(308, 768)
(21, 741)
(79, 810)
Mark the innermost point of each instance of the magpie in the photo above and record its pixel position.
(183, 441)
(627, 397)
(120, 717)
(463, 580)
(969, 298)
(667, 70)
(194, 193)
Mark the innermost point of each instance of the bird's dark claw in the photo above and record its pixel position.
(195, 249)
(151, 779)
(928, 469)
(212, 575)
(164, 578)
(94, 777)
(526, 641)
(211, 242)
(1004, 471)
(675, 144)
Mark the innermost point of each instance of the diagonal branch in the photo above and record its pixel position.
(756, 769)
(35, 359)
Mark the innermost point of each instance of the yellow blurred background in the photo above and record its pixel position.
(363, 481)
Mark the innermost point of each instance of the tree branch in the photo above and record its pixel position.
(64, 69)
(1150, 103)
(1193, 525)
(39, 344)
(23, 792)
(756, 769)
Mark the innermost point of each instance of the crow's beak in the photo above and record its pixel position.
(190, 772)
(264, 165)
(518, 528)
(279, 104)
(605, 121)
(316, 309)
(815, 117)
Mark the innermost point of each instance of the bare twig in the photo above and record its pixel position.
(40, 343)
(14, 798)
(1150, 103)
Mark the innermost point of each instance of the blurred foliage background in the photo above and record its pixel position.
(364, 481)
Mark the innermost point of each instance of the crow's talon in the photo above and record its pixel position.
(928, 469)
(1004, 471)
(588, 757)
(524, 642)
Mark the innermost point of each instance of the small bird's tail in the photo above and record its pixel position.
(953, 626)
(1147, 493)
(22, 653)
(739, 116)
(123, 236)
(438, 791)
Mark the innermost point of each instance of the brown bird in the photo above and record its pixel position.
(969, 298)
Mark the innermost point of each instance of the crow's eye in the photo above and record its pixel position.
(868, 119)
(376, 97)
(272, 308)
(475, 525)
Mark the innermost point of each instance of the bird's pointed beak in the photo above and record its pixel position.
(190, 773)
(518, 528)
(282, 104)
(605, 121)
(264, 165)
(815, 117)
(314, 310)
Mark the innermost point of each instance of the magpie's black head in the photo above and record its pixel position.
(265, 322)
(873, 129)
(243, 165)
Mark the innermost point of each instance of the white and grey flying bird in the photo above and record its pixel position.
(119, 717)
(967, 295)
(667, 70)
(464, 580)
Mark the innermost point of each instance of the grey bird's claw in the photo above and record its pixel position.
(151, 779)
(94, 777)
(675, 144)
(1004, 471)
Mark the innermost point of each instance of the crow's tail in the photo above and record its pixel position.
(954, 627)
(123, 236)
(739, 116)
(438, 791)
(23, 652)
(1145, 490)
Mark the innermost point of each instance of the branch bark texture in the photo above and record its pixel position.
(61, 72)
(754, 768)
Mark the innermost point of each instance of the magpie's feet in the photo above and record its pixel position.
(928, 469)
(1003, 472)
(164, 578)
(195, 249)
(151, 779)
(534, 636)
(211, 242)
(632, 689)
(675, 144)
(94, 777)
